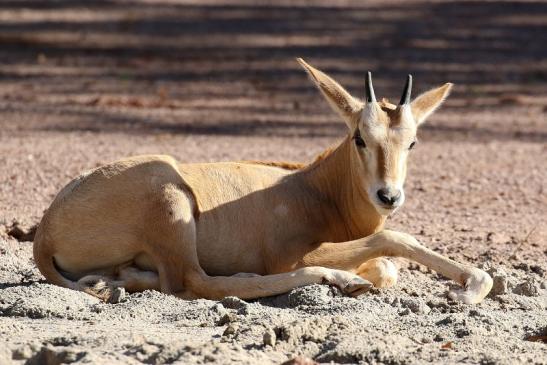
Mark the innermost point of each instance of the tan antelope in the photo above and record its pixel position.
(251, 229)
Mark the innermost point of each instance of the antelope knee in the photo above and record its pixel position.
(399, 237)
(393, 243)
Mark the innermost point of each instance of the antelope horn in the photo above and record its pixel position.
(369, 90)
(405, 98)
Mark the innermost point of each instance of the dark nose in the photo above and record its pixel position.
(388, 196)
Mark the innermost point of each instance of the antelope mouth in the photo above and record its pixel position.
(386, 209)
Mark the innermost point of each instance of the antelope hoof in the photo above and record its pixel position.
(357, 286)
(477, 285)
(348, 283)
(99, 287)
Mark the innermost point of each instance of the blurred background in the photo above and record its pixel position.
(86, 82)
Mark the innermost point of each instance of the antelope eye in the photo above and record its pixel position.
(412, 145)
(359, 140)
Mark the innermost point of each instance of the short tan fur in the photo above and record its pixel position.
(250, 229)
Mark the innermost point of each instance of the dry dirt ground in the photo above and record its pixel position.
(85, 83)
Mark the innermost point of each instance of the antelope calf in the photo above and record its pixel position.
(251, 229)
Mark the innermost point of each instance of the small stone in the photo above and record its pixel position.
(404, 312)
(522, 266)
(445, 320)
(96, 308)
(149, 349)
(537, 269)
(226, 318)
(63, 341)
(142, 357)
(230, 330)
(447, 346)
(500, 282)
(22, 353)
(497, 238)
(233, 303)
(530, 268)
(528, 288)
(438, 338)
(474, 313)
(209, 358)
(269, 338)
(416, 305)
(21, 232)
(70, 356)
(219, 309)
(500, 285)
(439, 304)
(58, 355)
(462, 332)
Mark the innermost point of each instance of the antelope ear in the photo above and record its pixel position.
(425, 104)
(339, 99)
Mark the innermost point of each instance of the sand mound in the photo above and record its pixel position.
(45, 324)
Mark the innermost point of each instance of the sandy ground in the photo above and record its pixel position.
(82, 84)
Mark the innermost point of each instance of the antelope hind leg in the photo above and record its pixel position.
(103, 286)
(135, 280)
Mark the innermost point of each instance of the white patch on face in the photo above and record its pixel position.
(377, 133)
(370, 126)
(392, 185)
(400, 170)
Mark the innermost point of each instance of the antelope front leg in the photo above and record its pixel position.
(349, 255)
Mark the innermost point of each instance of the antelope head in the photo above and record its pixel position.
(381, 135)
